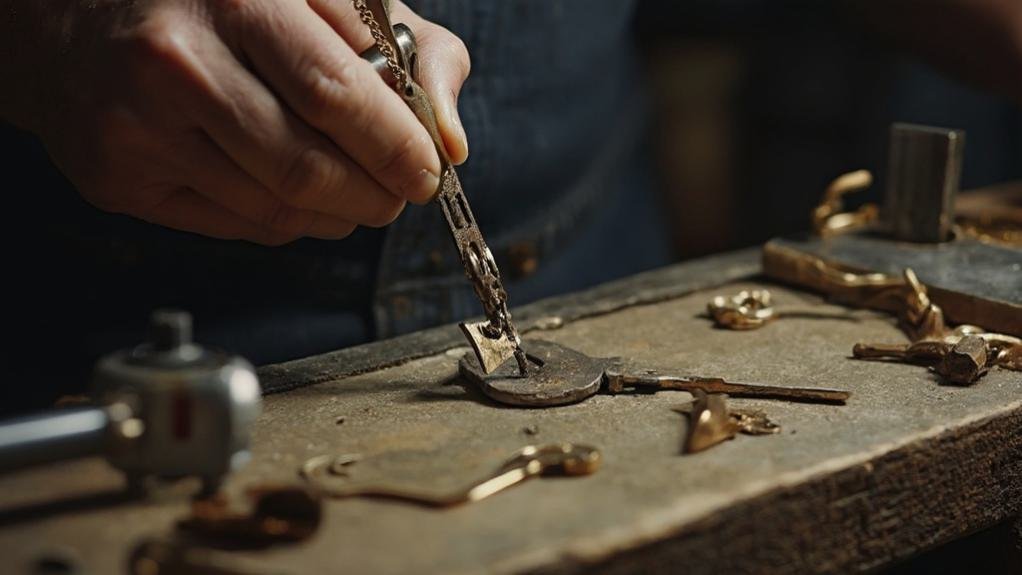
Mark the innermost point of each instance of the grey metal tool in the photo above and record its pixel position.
(167, 408)
(495, 340)
(569, 376)
(924, 172)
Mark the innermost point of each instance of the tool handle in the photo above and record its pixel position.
(52, 436)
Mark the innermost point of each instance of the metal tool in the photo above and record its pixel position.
(962, 362)
(167, 408)
(924, 173)
(961, 355)
(495, 340)
(569, 376)
(328, 474)
(712, 421)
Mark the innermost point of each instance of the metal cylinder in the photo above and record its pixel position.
(52, 436)
(405, 43)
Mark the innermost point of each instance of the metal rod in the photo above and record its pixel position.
(52, 436)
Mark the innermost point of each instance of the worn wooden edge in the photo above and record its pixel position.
(851, 515)
(642, 289)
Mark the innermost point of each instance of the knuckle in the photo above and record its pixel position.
(337, 93)
(164, 40)
(310, 178)
(407, 156)
(449, 48)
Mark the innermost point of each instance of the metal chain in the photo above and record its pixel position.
(376, 30)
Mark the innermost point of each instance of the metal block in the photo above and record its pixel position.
(923, 175)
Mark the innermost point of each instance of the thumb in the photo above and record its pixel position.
(444, 64)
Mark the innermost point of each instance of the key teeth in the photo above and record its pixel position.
(491, 353)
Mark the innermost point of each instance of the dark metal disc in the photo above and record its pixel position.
(567, 376)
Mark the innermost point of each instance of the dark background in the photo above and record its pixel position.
(760, 104)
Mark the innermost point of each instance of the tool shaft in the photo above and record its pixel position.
(618, 382)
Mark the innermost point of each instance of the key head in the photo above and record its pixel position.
(569, 459)
(567, 376)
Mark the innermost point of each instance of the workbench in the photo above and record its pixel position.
(906, 465)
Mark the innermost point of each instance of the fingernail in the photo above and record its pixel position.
(422, 187)
(452, 112)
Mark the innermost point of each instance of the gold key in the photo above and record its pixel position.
(330, 478)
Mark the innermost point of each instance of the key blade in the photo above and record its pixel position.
(796, 394)
(618, 381)
(491, 353)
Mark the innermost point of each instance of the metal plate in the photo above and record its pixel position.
(567, 376)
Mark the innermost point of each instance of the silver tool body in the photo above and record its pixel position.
(168, 408)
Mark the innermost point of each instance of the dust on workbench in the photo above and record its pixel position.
(418, 423)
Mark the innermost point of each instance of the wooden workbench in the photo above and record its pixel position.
(907, 465)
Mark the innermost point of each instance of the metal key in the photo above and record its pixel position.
(325, 476)
(619, 382)
(569, 376)
(713, 421)
(495, 340)
(963, 362)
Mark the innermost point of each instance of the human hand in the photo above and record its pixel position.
(239, 119)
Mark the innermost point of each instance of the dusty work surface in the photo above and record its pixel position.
(907, 464)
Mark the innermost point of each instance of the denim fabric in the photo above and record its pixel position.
(554, 114)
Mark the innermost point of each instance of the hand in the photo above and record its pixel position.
(239, 119)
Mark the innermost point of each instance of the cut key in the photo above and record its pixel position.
(569, 376)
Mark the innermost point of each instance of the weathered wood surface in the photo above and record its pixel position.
(906, 465)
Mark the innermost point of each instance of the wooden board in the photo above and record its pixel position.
(906, 465)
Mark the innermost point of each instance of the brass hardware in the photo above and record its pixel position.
(530, 461)
(712, 421)
(829, 218)
(745, 311)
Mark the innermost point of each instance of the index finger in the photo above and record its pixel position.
(330, 87)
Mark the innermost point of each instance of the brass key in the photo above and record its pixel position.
(326, 476)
